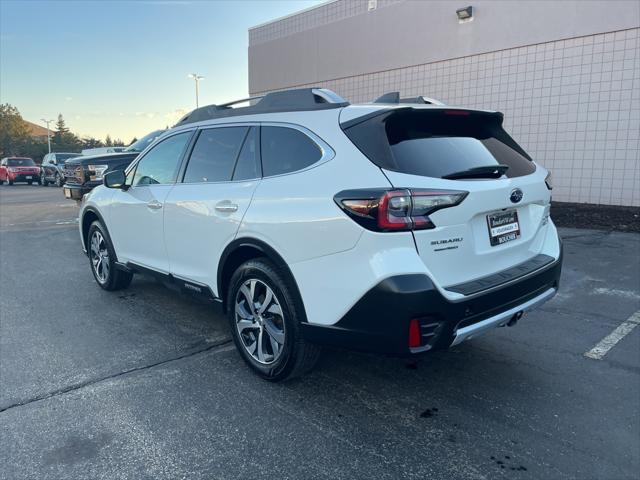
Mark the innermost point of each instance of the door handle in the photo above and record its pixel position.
(154, 205)
(226, 206)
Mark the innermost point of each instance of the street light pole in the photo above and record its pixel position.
(48, 134)
(197, 79)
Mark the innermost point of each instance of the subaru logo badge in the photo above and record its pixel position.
(516, 195)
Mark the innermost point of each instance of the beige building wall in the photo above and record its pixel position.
(567, 76)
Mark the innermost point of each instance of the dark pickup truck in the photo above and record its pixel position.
(82, 174)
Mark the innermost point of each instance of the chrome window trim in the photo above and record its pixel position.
(326, 152)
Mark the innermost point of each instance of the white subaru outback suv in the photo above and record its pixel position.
(398, 226)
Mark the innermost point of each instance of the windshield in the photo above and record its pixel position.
(20, 162)
(144, 142)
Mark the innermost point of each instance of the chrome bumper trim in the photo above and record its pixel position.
(501, 319)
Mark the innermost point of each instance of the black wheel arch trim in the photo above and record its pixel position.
(268, 252)
(104, 226)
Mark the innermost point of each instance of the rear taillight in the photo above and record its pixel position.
(396, 210)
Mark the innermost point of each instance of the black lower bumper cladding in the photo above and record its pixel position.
(379, 321)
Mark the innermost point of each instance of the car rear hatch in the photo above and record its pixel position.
(502, 204)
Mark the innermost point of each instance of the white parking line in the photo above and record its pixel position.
(601, 349)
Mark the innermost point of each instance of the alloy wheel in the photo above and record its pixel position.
(99, 257)
(259, 321)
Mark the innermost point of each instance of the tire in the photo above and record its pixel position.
(58, 180)
(30, 182)
(102, 260)
(43, 182)
(278, 324)
(10, 182)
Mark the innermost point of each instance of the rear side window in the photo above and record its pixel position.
(214, 155)
(286, 150)
(439, 143)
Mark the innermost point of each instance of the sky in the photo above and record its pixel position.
(120, 67)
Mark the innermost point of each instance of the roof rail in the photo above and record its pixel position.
(298, 100)
(394, 97)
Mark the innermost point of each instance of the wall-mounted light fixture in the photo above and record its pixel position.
(465, 14)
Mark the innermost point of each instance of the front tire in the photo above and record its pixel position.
(58, 180)
(43, 182)
(265, 312)
(10, 182)
(102, 259)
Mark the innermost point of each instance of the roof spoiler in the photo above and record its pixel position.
(304, 99)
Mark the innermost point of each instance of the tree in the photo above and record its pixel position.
(14, 133)
(91, 142)
(61, 127)
(108, 142)
(118, 143)
(63, 139)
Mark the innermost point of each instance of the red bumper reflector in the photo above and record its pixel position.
(414, 333)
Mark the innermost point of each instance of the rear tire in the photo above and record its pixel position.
(102, 258)
(43, 182)
(30, 182)
(10, 182)
(265, 312)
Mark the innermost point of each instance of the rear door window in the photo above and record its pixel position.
(214, 155)
(286, 150)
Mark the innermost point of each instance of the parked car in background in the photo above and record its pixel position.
(52, 168)
(19, 169)
(82, 174)
(102, 150)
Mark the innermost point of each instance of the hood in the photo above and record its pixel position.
(106, 158)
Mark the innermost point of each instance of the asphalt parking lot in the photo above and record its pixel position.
(145, 383)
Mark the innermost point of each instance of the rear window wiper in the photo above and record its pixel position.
(487, 171)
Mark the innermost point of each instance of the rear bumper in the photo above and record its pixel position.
(379, 321)
(35, 177)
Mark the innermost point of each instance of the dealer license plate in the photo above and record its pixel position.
(503, 227)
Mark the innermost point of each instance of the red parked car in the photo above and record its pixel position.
(19, 169)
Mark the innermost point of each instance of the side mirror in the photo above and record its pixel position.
(115, 179)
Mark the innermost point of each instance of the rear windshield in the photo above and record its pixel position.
(20, 162)
(439, 143)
